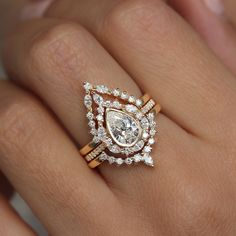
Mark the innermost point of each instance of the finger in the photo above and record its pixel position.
(54, 58)
(164, 56)
(229, 7)
(210, 19)
(44, 165)
(10, 222)
(56, 73)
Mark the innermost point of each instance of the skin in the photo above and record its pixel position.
(138, 46)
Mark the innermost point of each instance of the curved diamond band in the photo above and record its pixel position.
(123, 126)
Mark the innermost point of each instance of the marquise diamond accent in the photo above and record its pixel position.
(124, 124)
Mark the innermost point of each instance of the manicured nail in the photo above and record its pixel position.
(216, 6)
(35, 9)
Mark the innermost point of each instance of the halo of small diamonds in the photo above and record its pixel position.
(121, 122)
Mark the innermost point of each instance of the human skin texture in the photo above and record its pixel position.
(139, 46)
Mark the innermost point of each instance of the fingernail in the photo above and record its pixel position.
(35, 9)
(216, 6)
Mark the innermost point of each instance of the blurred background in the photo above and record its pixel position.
(9, 14)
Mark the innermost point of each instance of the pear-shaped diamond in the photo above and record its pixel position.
(124, 129)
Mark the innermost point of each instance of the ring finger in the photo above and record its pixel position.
(53, 58)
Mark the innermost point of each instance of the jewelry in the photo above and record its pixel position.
(123, 126)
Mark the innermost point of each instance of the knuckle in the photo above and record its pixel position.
(134, 16)
(59, 50)
(18, 121)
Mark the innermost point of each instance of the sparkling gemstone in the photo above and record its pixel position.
(139, 145)
(93, 131)
(99, 117)
(116, 92)
(128, 161)
(107, 103)
(111, 159)
(90, 115)
(153, 132)
(116, 104)
(145, 123)
(139, 115)
(91, 124)
(123, 128)
(98, 99)
(137, 158)
(87, 86)
(145, 135)
(96, 139)
(100, 109)
(147, 149)
(124, 95)
(131, 108)
(88, 101)
(148, 160)
(131, 99)
(114, 149)
(103, 156)
(151, 116)
(108, 142)
(119, 161)
(102, 89)
(139, 102)
(151, 141)
(101, 133)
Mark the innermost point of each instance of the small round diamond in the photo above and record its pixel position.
(116, 104)
(87, 86)
(116, 92)
(137, 158)
(91, 124)
(151, 141)
(93, 131)
(153, 132)
(139, 102)
(147, 149)
(107, 103)
(139, 115)
(145, 135)
(108, 142)
(119, 161)
(111, 159)
(103, 156)
(101, 133)
(99, 118)
(128, 161)
(96, 139)
(90, 115)
(100, 109)
(145, 123)
(131, 99)
(124, 95)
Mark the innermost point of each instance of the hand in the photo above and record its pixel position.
(192, 190)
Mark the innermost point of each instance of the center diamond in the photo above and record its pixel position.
(123, 128)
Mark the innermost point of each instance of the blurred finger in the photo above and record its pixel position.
(44, 166)
(10, 222)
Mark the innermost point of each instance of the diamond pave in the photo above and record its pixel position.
(122, 123)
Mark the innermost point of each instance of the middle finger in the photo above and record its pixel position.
(165, 57)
